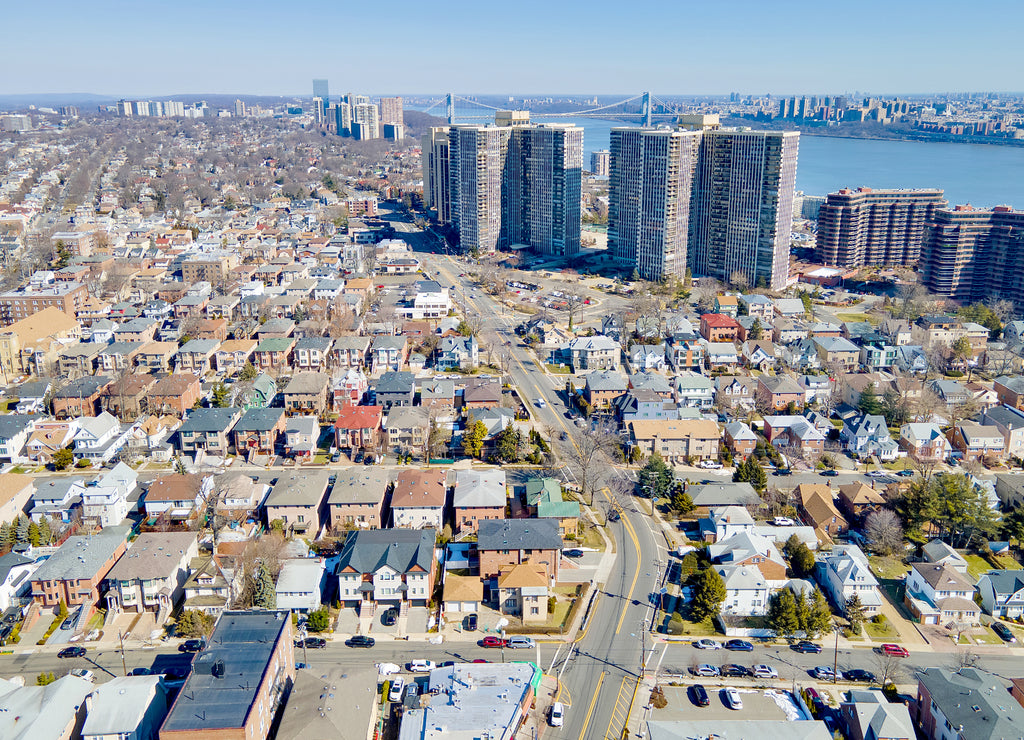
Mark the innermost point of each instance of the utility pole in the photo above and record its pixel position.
(835, 658)
(124, 664)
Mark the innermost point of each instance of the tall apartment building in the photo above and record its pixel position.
(735, 188)
(321, 90)
(875, 227)
(599, 162)
(20, 304)
(239, 108)
(973, 254)
(365, 121)
(434, 146)
(649, 189)
(391, 110)
(516, 185)
(343, 119)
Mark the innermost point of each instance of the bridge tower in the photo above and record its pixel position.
(450, 109)
(645, 109)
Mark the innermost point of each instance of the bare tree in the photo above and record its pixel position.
(884, 531)
(591, 448)
(890, 668)
(573, 303)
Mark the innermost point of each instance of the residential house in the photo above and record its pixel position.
(15, 430)
(716, 327)
(207, 430)
(592, 353)
(357, 499)
(740, 439)
(297, 499)
(439, 392)
(234, 354)
(175, 394)
(817, 388)
(835, 351)
(1002, 593)
(130, 707)
(931, 331)
(32, 396)
(976, 442)
(794, 431)
(79, 359)
(47, 438)
(128, 397)
(151, 575)
(727, 304)
(359, 427)
(177, 496)
(693, 390)
(686, 353)
(643, 404)
(602, 387)
(299, 586)
(495, 420)
(801, 355)
(301, 437)
(387, 566)
(961, 705)
(457, 352)
(522, 591)
(388, 353)
(868, 436)
(419, 498)
(259, 394)
(868, 715)
(777, 392)
(876, 356)
(940, 594)
(16, 490)
(57, 710)
(350, 352)
(395, 388)
(648, 357)
(15, 580)
(406, 428)
(757, 305)
(100, 438)
(60, 499)
(924, 441)
(273, 354)
(677, 440)
(75, 572)
(751, 550)
(258, 431)
(859, 500)
(786, 331)
(844, 572)
(817, 506)
(544, 500)
(462, 594)
(721, 356)
(746, 590)
(938, 552)
(735, 390)
(759, 354)
(478, 495)
(723, 522)
(212, 584)
(312, 353)
(952, 392)
(80, 397)
(105, 499)
(350, 388)
(652, 382)
(1010, 390)
(504, 542)
(306, 393)
(481, 393)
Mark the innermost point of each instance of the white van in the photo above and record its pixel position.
(520, 642)
(557, 714)
(397, 687)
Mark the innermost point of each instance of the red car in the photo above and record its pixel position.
(492, 641)
(895, 650)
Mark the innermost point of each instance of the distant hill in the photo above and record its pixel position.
(52, 100)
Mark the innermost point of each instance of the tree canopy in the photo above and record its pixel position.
(656, 477)
(750, 471)
(708, 595)
(473, 439)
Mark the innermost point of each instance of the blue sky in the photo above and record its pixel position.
(121, 48)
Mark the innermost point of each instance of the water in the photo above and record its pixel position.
(982, 175)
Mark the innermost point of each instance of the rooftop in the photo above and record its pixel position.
(153, 555)
(81, 557)
(300, 488)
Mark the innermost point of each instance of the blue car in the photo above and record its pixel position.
(741, 645)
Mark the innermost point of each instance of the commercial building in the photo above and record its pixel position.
(435, 150)
(875, 227)
(238, 682)
(718, 201)
(973, 254)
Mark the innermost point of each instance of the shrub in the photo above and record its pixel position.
(552, 602)
(83, 463)
(319, 620)
(879, 619)
(675, 626)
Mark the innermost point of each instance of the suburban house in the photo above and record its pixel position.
(837, 351)
(744, 548)
(177, 496)
(406, 428)
(504, 542)
(1010, 422)
(522, 591)
(234, 354)
(481, 393)
(478, 495)
(961, 705)
(197, 356)
(74, 573)
(644, 404)
(1010, 390)
(258, 431)
(387, 566)
(868, 715)
(740, 439)
(301, 435)
(358, 427)
(602, 387)
(735, 390)
(975, 442)
(306, 393)
(273, 354)
(207, 430)
(128, 397)
(693, 390)
(16, 489)
(297, 499)
(388, 353)
(544, 500)
(592, 353)
(299, 586)
(938, 552)
(676, 440)
(212, 585)
(940, 594)
(395, 388)
(151, 575)
(105, 500)
(350, 352)
(924, 441)
(817, 506)
(311, 353)
(457, 352)
(175, 394)
(858, 500)
(80, 397)
(844, 572)
(777, 392)
(868, 436)
(99, 438)
(419, 499)
(717, 327)
(15, 581)
(126, 707)
(1002, 593)
(357, 499)
(794, 431)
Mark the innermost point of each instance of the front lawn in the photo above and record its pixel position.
(887, 568)
(856, 317)
(883, 631)
(558, 370)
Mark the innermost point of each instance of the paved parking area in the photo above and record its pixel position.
(758, 704)
(579, 570)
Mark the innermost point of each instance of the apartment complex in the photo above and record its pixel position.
(24, 302)
(435, 149)
(599, 159)
(515, 185)
(875, 227)
(718, 201)
(391, 110)
(972, 254)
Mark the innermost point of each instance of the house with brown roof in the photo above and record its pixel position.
(481, 393)
(419, 499)
(128, 396)
(858, 500)
(175, 394)
(177, 496)
(818, 509)
(718, 327)
(156, 357)
(297, 499)
(523, 592)
(232, 354)
(359, 427)
(48, 437)
(463, 594)
(937, 593)
(210, 329)
(357, 498)
(306, 393)
(676, 440)
(15, 491)
(75, 572)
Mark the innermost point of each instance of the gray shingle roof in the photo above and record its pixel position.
(81, 557)
(402, 550)
(957, 694)
(518, 534)
(258, 420)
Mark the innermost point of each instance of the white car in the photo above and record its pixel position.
(732, 698)
(764, 671)
(397, 689)
(710, 465)
(707, 644)
(557, 716)
(783, 521)
(877, 474)
(421, 666)
(541, 403)
(83, 673)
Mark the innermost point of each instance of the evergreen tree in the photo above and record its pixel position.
(750, 471)
(319, 620)
(708, 594)
(855, 613)
(801, 559)
(45, 533)
(782, 615)
(507, 443)
(689, 565)
(818, 615)
(656, 477)
(6, 536)
(33, 534)
(179, 466)
(869, 402)
(263, 594)
(473, 439)
(221, 396)
(248, 373)
(22, 530)
(756, 330)
(63, 458)
(682, 504)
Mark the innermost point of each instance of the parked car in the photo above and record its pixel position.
(360, 641)
(762, 670)
(806, 646)
(707, 644)
(140, 672)
(519, 641)
(699, 695)
(734, 670)
(732, 698)
(741, 645)
(470, 622)
(389, 617)
(783, 471)
(421, 666)
(905, 473)
(360, 456)
(315, 642)
(70, 621)
(192, 646)
(1003, 631)
(573, 553)
(397, 689)
(782, 521)
(829, 473)
(823, 672)
(858, 674)
(897, 651)
(412, 690)
(557, 715)
(706, 670)
(83, 673)
(75, 651)
(492, 642)
(710, 464)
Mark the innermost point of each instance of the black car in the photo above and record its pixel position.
(139, 672)
(742, 645)
(732, 670)
(613, 516)
(360, 641)
(389, 617)
(857, 674)
(360, 456)
(191, 646)
(315, 642)
(74, 651)
(783, 471)
(830, 473)
(471, 622)
(573, 553)
(368, 460)
(699, 695)
(805, 646)
(1003, 631)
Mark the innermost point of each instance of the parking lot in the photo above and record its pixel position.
(758, 704)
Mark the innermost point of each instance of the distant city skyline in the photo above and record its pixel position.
(261, 48)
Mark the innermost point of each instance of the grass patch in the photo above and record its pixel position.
(696, 629)
(985, 636)
(96, 620)
(977, 566)
(854, 316)
(320, 459)
(887, 568)
(565, 370)
(18, 469)
(880, 631)
(591, 538)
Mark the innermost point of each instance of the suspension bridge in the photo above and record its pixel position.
(644, 106)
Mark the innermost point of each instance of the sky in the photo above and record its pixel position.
(524, 47)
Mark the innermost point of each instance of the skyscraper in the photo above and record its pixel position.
(391, 110)
(320, 91)
(599, 162)
(649, 190)
(435, 150)
(875, 227)
(718, 201)
(343, 119)
(365, 121)
(514, 185)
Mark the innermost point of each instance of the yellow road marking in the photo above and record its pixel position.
(616, 712)
(636, 574)
(558, 695)
(593, 701)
